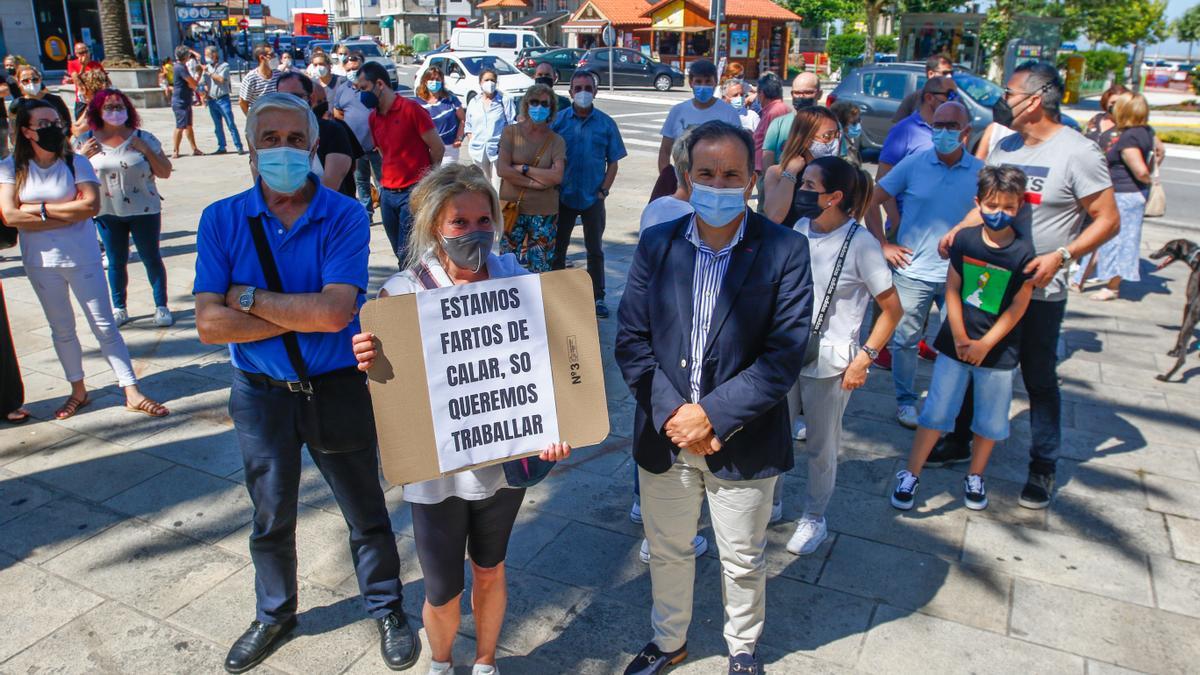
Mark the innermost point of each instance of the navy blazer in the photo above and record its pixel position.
(752, 357)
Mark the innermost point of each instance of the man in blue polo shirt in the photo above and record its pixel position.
(594, 147)
(938, 187)
(295, 381)
(915, 133)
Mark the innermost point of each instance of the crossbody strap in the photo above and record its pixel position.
(536, 159)
(833, 280)
(274, 284)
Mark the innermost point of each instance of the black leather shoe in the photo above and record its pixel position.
(397, 641)
(744, 663)
(257, 643)
(651, 660)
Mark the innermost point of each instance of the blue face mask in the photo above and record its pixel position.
(946, 141)
(717, 207)
(283, 169)
(434, 86)
(703, 92)
(854, 130)
(369, 99)
(539, 113)
(996, 221)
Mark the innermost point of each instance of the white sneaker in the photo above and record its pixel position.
(906, 415)
(808, 537)
(699, 547)
(121, 316)
(776, 513)
(799, 430)
(480, 669)
(635, 512)
(440, 667)
(162, 317)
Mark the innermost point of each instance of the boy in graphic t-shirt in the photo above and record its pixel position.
(987, 292)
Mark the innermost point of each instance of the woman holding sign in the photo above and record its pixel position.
(456, 217)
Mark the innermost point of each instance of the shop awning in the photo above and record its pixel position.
(502, 4)
(536, 20)
(680, 29)
(585, 25)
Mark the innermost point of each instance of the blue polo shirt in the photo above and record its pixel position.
(936, 198)
(908, 136)
(593, 142)
(329, 244)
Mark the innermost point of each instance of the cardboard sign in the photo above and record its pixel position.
(445, 376)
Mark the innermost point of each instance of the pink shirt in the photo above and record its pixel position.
(769, 112)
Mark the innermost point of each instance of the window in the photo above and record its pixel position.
(983, 91)
(475, 64)
(540, 6)
(502, 41)
(885, 85)
(531, 41)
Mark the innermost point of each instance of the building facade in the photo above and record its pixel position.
(410, 19)
(352, 17)
(44, 31)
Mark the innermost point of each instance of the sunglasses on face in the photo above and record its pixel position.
(539, 104)
(953, 126)
(945, 73)
(31, 80)
(828, 136)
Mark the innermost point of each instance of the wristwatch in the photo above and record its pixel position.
(1066, 255)
(246, 299)
(604, 192)
(45, 213)
(873, 353)
(524, 169)
(785, 174)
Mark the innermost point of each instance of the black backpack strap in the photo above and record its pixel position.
(274, 284)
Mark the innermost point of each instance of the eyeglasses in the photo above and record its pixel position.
(539, 104)
(46, 124)
(808, 93)
(952, 126)
(113, 108)
(945, 73)
(828, 136)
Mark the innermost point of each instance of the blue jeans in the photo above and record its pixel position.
(916, 297)
(368, 164)
(949, 385)
(397, 219)
(1040, 328)
(222, 114)
(267, 423)
(145, 228)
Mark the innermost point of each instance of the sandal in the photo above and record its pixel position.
(1077, 288)
(197, 153)
(1106, 294)
(72, 406)
(21, 417)
(175, 156)
(149, 407)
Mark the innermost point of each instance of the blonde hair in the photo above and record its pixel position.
(1130, 111)
(429, 199)
(93, 80)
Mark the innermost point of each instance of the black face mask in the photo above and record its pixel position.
(802, 102)
(320, 109)
(51, 138)
(805, 204)
(548, 81)
(1002, 113)
(11, 71)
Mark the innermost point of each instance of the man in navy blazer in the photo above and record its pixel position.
(712, 330)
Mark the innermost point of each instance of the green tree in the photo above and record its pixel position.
(1187, 28)
(1124, 22)
(817, 13)
(873, 9)
(931, 6)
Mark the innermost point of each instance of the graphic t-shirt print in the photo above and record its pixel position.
(983, 284)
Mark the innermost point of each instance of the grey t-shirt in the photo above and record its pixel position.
(1061, 170)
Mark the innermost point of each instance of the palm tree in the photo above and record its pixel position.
(114, 32)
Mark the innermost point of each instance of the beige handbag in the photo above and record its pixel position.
(1156, 203)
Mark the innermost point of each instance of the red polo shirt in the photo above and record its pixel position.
(75, 67)
(397, 135)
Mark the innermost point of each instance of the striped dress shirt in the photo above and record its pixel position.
(706, 287)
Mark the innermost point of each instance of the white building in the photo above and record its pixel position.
(432, 18)
(352, 17)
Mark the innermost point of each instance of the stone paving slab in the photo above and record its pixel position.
(123, 540)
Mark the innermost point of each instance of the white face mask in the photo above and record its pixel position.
(488, 86)
(273, 63)
(819, 149)
(32, 88)
(322, 71)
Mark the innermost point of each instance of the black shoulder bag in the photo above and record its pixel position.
(339, 417)
(812, 351)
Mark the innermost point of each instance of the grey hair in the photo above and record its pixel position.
(732, 83)
(285, 102)
(1043, 80)
(430, 196)
(679, 156)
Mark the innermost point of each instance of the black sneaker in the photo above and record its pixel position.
(974, 493)
(1039, 487)
(906, 490)
(744, 663)
(651, 660)
(601, 310)
(946, 453)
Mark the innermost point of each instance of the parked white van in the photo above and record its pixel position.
(506, 42)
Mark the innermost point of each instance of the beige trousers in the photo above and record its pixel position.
(671, 504)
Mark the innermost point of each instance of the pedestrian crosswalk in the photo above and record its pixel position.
(641, 132)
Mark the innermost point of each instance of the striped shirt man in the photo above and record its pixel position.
(706, 287)
(255, 85)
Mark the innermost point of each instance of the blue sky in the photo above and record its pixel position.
(280, 8)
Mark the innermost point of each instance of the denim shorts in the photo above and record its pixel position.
(992, 395)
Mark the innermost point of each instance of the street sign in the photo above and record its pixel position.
(460, 22)
(254, 9)
(201, 12)
(243, 23)
(609, 36)
(716, 11)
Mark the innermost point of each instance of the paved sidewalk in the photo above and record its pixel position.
(123, 540)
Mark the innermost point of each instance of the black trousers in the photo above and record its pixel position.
(12, 391)
(269, 433)
(593, 240)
